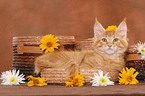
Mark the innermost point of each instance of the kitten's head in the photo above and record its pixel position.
(110, 42)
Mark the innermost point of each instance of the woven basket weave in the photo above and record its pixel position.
(134, 60)
(84, 44)
(58, 75)
(26, 49)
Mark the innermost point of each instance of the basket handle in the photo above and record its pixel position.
(27, 49)
(31, 49)
(133, 57)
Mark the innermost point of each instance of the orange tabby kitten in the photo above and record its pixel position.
(108, 52)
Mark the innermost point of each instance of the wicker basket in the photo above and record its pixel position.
(84, 44)
(134, 60)
(57, 75)
(26, 49)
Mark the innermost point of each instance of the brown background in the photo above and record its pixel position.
(65, 17)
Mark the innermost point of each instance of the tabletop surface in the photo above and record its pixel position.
(61, 89)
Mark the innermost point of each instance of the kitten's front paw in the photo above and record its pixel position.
(36, 72)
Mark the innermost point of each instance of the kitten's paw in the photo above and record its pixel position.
(36, 72)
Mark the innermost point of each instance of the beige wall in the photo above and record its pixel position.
(65, 17)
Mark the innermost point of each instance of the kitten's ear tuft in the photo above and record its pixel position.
(98, 29)
(124, 19)
(96, 20)
(122, 29)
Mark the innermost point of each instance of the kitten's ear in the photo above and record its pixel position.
(98, 29)
(122, 29)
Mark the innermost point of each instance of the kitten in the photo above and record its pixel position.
(108, 52)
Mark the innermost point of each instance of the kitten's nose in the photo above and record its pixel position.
(109, 45)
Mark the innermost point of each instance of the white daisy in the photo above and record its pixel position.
(5, 74)
(140, 47)
(12, 78)
(100, 79)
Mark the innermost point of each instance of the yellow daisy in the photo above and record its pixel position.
(111, 28)
(41, 81)
(31, 80)
(128, 76)
(48, 43)
(36, 81)
(30, 83)
(77, 80)
(69, 82)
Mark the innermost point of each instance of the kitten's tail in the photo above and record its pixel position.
(72, 70)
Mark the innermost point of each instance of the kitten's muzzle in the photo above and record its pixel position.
(109, 45)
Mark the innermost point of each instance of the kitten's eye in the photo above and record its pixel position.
(104, 40)
(115, 40)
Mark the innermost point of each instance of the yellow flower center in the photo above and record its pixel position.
(75, 81)
(103, 81)
(49, 44)
(142, 50)
(129, 78)
(13, 80)
(36, 81)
